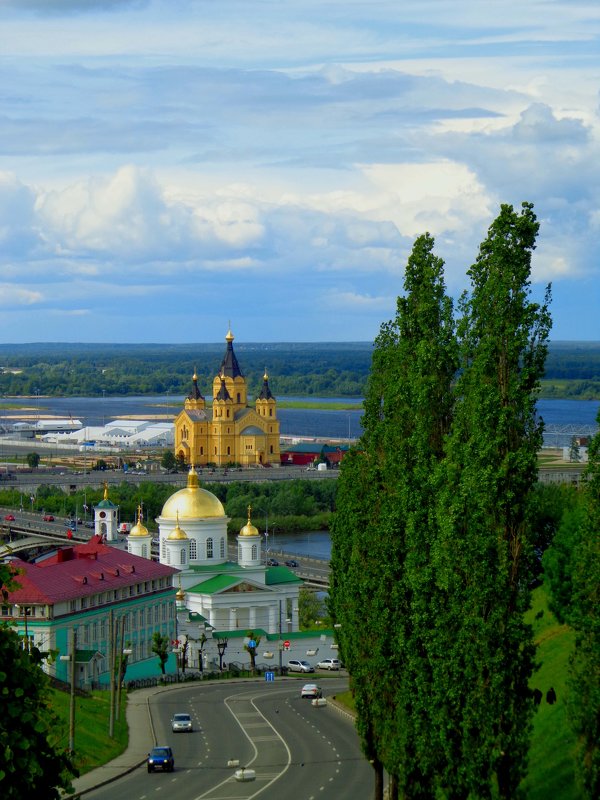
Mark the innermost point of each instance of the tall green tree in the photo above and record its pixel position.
(30, 764)
(381, 555)
(160, 647)
(483, 649)
(584, 615)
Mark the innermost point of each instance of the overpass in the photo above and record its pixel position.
(29, 532)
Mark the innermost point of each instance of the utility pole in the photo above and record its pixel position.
(121, 637)
(73, 649)
(111, 666)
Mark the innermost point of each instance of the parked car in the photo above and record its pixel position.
(48, 518)
(311, 690)
(90, 524)
(181, 722)
(161, 758)
(272, 562)
(10, 517)
(291, 562)
(329, 663)
(296, 665)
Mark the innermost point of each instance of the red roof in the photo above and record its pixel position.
(82, 570)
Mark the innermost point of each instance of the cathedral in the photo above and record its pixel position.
(231, 431)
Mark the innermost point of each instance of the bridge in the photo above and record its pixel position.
(28, 532)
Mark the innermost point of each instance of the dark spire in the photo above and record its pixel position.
(229, 365)
(195, 394)
(223, 394)
(265, 392)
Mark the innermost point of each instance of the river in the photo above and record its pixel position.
(563, 418)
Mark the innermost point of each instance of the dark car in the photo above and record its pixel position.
(272, 562)
(161, 758)
(89, 525)
(291, 562)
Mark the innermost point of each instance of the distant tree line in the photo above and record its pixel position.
(319, 370)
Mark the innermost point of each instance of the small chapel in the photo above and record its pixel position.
(230, 431)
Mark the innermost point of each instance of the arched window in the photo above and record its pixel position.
(228, 412)
(209, 548)
(228, 450)
(254, 552)
(215, 451)
(239, 552)
(222, 548)
(239, 398)
(270, 412)
(271, 449)
(193, 550)
(144, 551)
(201, 450)
(182, 556)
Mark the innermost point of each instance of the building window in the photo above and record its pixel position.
(193, 550)
(84, 602)
(254, 552)
(209, 548)
(239, 398)
(228, 450)
(201, 451)
(222, 552)
(144, 551)
(215, 451)
(228, 416)
(270, 412)
(271, 449)
(182, 556)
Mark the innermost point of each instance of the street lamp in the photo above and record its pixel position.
(221, 647)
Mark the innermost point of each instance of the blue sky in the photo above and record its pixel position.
(168, 167)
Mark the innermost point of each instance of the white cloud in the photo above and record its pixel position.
(11, 296)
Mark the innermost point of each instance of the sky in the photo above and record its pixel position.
(170, 169)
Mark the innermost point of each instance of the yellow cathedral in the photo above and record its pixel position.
(231, 432)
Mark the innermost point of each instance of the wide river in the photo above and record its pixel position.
(563, 418)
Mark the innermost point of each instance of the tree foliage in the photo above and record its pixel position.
(584, 616)
(432, 546)
(30, 764)
(161, 645)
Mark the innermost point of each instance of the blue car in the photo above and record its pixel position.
(161, 758)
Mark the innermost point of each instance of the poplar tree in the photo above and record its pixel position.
(385, 524)
(584, 615)
(481, 646)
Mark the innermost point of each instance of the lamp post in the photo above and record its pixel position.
(221, 647)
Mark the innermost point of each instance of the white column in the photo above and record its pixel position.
(273, 620)
(252, 617)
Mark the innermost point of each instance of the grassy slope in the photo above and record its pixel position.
(92, 744)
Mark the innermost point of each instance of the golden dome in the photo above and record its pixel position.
(139, 529)
(177, 533)
(249, 529)
(192, 502)
(180, 594)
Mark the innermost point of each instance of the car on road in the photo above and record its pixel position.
(311, 690)
(296, 665)
(48, 518)
(161, 758)
(329, 663)
(90, 524)
(291, 562)
(9, 517)
(181, 722)
(272, 562)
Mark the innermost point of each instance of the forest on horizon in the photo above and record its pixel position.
(319, 369)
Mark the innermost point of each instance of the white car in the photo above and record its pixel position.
(329, 663)
(311, 690)
(181, 722)
(299, 666)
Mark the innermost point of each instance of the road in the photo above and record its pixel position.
(297, 751)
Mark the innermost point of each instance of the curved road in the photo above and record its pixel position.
(297, 750)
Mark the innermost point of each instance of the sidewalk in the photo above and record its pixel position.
(141, 741)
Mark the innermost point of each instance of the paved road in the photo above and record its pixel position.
(297, 750)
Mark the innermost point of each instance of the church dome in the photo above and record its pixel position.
(192, 502)
(249, 529)
(177, 534)
(139, 529)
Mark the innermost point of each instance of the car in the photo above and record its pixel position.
(311, 690)
(329, 663)
(291, 562)
(296, 665)
(90, 524)
(9, 517)
(181, 722)
(272, 562)
(161, 758)
(48, 518)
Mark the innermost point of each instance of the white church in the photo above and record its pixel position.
(230, 596)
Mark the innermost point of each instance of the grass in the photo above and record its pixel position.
(551, 755)
(93, 747)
